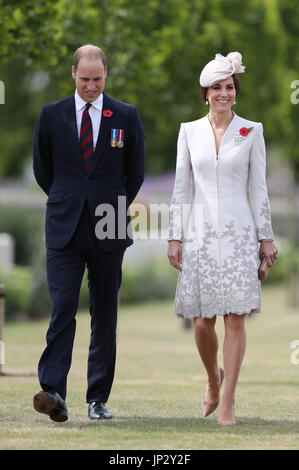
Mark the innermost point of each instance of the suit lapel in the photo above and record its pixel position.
(70, 112)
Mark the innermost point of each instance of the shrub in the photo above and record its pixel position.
(152, 281)
(25, 226)
(17, 291)
(284, 267)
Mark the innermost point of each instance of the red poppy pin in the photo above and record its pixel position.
(243, 132)
(107, 113)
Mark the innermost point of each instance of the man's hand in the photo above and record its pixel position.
(175, 254)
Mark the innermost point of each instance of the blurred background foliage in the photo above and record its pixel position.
(155, 52)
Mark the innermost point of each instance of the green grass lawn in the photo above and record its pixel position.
(158, 386)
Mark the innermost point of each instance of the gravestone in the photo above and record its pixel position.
(6, 253)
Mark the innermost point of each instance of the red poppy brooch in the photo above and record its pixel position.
(242, 133)
(107, 113)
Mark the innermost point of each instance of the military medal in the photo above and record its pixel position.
(113, 141)
(120, 138)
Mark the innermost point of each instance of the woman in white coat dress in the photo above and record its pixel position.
(221, 159)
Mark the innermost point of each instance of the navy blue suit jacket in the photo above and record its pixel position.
(59, 168)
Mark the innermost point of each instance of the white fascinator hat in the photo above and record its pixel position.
(221, 68)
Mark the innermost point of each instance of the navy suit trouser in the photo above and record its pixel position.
(65, 270)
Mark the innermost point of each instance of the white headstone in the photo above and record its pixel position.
(6, 253)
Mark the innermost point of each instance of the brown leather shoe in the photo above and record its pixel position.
(51, 404)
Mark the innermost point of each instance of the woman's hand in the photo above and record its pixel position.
(269, 251)
(175, 254)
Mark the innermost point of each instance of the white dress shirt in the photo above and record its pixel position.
(95, 113)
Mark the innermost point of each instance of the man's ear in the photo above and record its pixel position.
(73, 72)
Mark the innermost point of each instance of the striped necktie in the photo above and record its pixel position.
(86, 137)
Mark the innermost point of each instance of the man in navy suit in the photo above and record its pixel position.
(88, 156)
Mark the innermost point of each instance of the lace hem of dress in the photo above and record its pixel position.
(191, 316)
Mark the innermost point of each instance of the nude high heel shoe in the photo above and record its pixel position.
(207, 407)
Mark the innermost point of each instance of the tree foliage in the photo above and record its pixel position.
(155, 53)
(32, 30)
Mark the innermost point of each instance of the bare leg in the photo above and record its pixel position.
(233, 354)
(207, 345)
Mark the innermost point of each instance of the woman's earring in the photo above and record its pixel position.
(207, 102)
(234, 102)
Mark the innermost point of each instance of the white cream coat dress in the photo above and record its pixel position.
(220, 275)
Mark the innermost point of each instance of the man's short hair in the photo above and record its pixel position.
(91, 52)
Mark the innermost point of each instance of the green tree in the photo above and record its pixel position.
(31, 30)
(155, 53)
